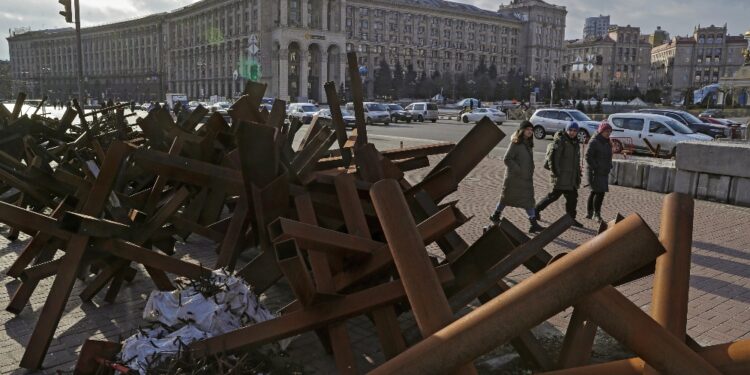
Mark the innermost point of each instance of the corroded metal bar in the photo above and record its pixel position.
(627, 246)
(731, 359)
(626, 322)
(315, 316)
(429, 304)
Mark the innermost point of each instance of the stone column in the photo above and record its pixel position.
(323, 76)
(275, 88)
(324, 14)
(342, 16)
(283, 12)
(305, 13)
(283, 76)
(303, 74)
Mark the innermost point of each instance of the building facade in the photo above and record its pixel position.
(595, 27)
(618, 61)
(295, 46)
(542, 37)
(124, 60)
(689, 63)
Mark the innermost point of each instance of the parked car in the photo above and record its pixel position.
(719, 121)
(398, 113)
(711, 113)
(550, 121)
(348, 116)
(423, 111)
(478, 114)
(301, 111)
(374, 113)
(715, 131)
(468, 102)
(661, 131)
(221, 107)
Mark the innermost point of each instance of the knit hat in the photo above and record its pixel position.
(603, 127)
(525, 124)
(571, 126)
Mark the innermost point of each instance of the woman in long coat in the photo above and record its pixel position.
(599, 161)
(518, 184)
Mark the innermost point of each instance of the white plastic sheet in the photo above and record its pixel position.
(185, 315)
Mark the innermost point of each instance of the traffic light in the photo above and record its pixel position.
(68, 12)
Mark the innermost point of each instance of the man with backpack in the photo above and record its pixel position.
(563, 160)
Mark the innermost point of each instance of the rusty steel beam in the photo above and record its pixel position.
(730, 359)
(54, 306)
(320, 239)
(338, 122)
(437, 185)
(471, 149)
(579, 338)
(385, 318)
(92, 226)
(626, 322)
(669, 299)
(189, 171)
(434, 227)
(358, 95)
(156, 190)
(313, 317)
(669, 302)
(513, 260)
(429, 304)
(292, 265)
(258, 154)
(627, 246)
(18, 106)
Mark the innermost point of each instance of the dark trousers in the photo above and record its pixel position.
(595, 202)
(571, 201)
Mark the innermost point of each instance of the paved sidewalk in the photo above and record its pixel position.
(719, 308)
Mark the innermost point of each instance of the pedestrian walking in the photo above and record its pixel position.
(518, 183)
(599, 162)
(564, 162)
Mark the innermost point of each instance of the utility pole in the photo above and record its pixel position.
(80, 53)
(68, 14)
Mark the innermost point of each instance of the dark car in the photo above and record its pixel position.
(694, 123)
(398, 113)
(712, 113)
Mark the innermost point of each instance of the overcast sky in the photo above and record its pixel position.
(676, 16)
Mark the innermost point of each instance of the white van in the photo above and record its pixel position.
(661, 131)
(375, 113)
(423, 111)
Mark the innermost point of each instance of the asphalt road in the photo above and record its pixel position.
(449, 131)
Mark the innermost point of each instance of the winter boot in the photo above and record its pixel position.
(590, 214)
(495, 218)
(534, 226)
(577, 224)
(597, 217)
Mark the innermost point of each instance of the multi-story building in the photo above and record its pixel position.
(124, 60)
(691, 62)
(619, 60)
(6, 80)
(595, 27)
(294, 46)
(542, 37)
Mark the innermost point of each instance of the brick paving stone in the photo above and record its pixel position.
(719, 307)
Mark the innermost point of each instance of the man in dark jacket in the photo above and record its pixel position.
(565, 165)
(599, 161)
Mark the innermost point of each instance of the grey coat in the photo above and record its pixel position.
(566, 163)
(599, 161)
(518, 184)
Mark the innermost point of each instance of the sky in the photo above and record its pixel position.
(678, 17)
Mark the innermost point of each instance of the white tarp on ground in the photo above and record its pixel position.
(637, 102)
(186, 315)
